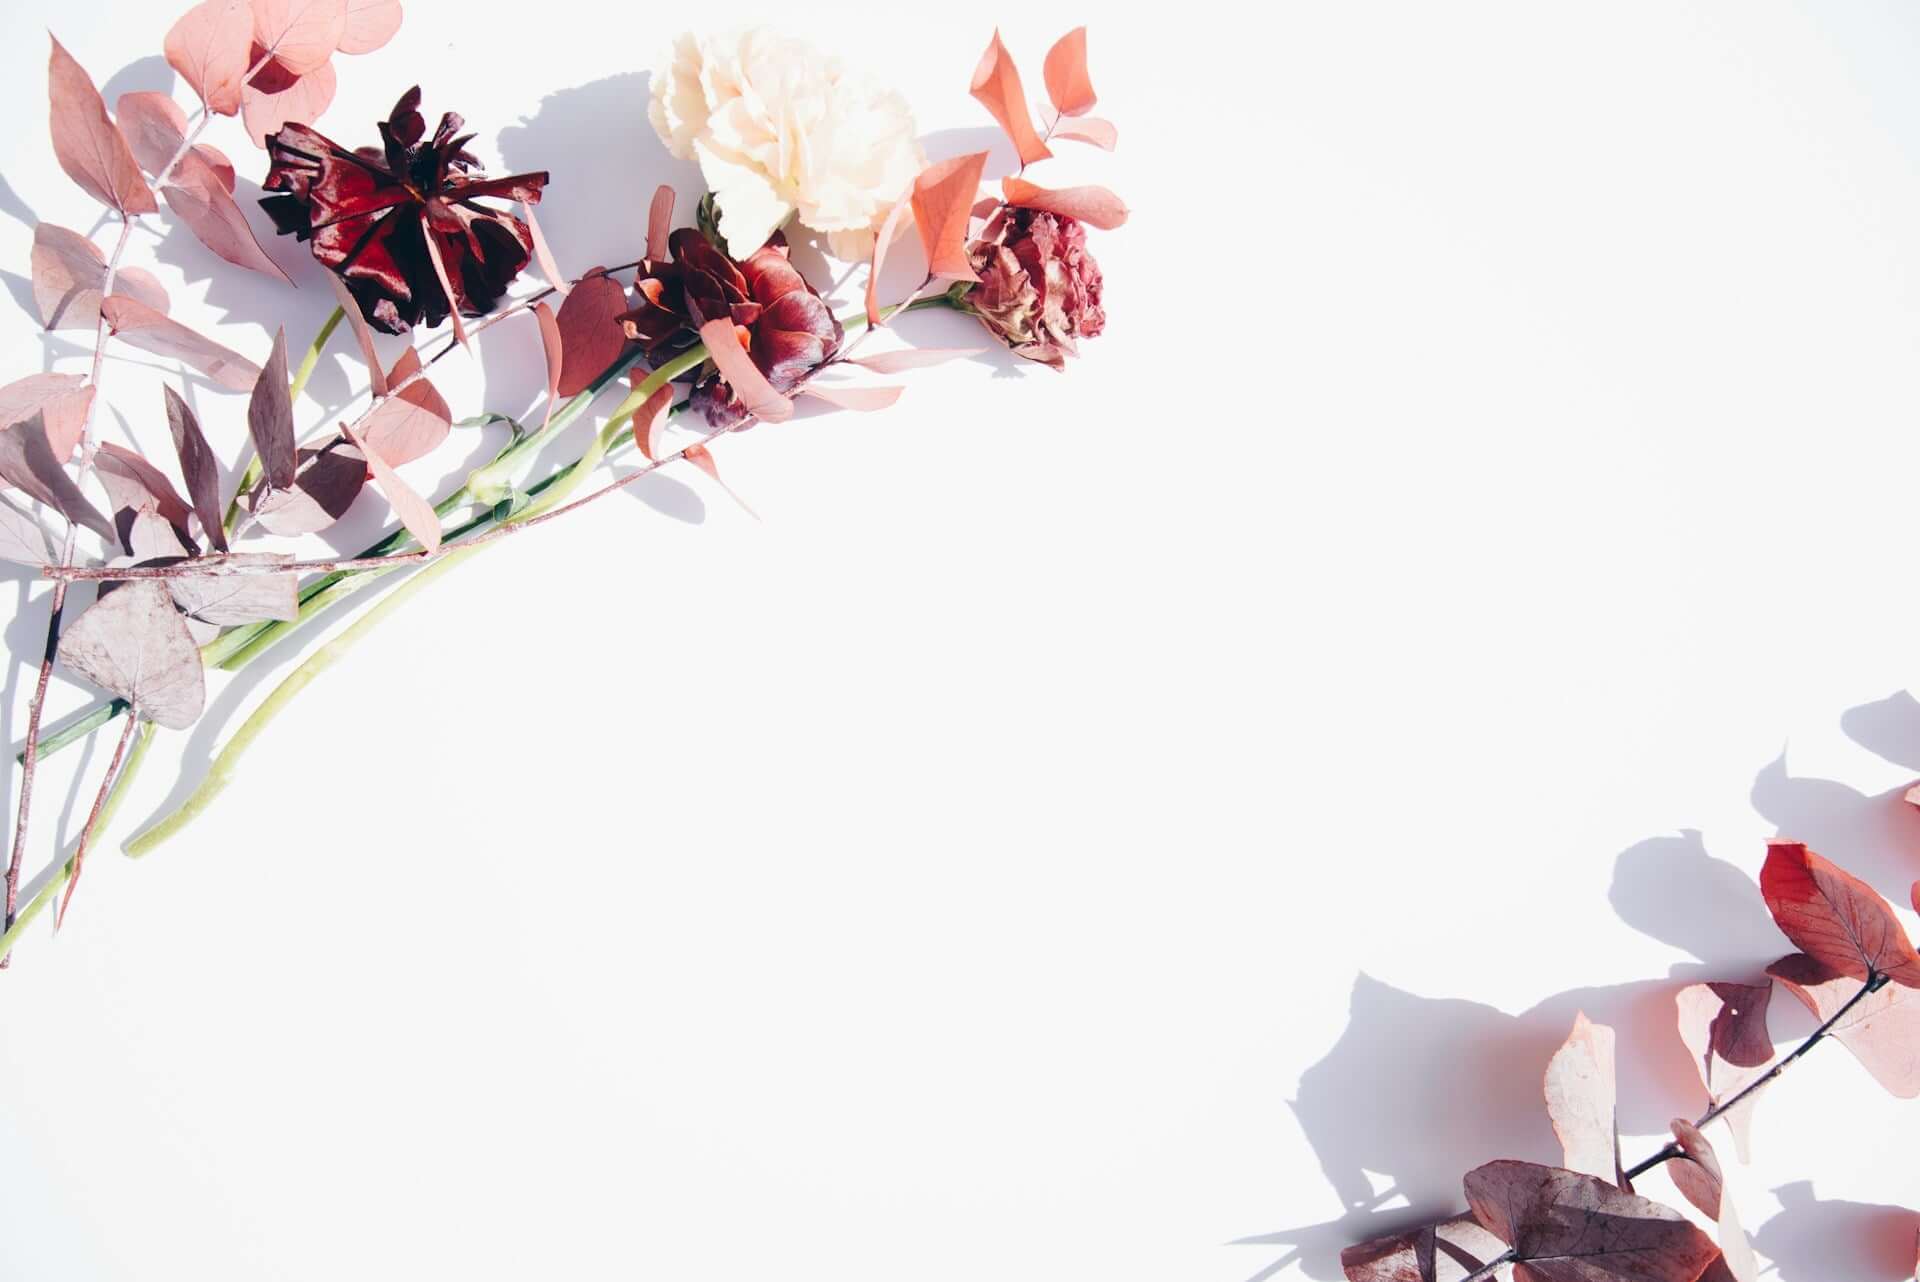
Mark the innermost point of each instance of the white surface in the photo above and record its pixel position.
(1086, 806)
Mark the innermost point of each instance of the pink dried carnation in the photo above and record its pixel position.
(1039, 288)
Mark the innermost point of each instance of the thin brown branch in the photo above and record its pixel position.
(93, 816)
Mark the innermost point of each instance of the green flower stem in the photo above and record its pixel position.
(77, 729)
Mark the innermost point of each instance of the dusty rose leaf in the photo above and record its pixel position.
(1833, 916)
(542, 252)
(1092, 129)
(1443, 1252)
(228, 600)
(270, 417)
(369, 25)
(142, 286)
(151, 537)
(1882, 1030)
(86, 142)
(555, 350)
(362, 332)
(301, 35)
(591, 337)
(996, 83)
(211, 46)
(741, 374)
(1567, 1227)
(414, 512)
(413, 421)
(907, 358)
(1581, 1090)
(68, 271)
(298, 102)
(649, 419)
(659, 222)
(154, 127)
(198, 466)
(61, 400)
(439, 262)
(135, 644)
(325, 485)
(943, 197)
(889, 230)
(1094, 206)
(23, 539)
(27, 460)
(199, 199)
(1724, 1027)
(132, 482)
(859, 399)
(702, 457)
(217, 163)
(1698, 1177)
(1068, 86)
(142, 326)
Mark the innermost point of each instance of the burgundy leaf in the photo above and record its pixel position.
(650, 418)
(199, 199)
(413, 421)
(659, 221)
(325, 485)
(141, 326)
(23, 539)
(1101, 133)
(211, 48)
(555, 349)
(943, 197)
(882, 242)
(996, 83)
(1832, 915)
(414, 512)
(61, 400)
(907, 358)
(1567, 1227)
(741, 374)
(270, 417)
(369, 25)
(1443, 1252)
(135, 644)
(1697, 1175)
(87, 144)
(198, 465)
(1882, 1030)
(1094, 206)
(300, 35)
(1725, 1029)
(362, 333)
(591, 338)
(291, 101)
(132, 482)
(1581, 1089)
(860, 399)
(27, 460)
(1068, 87)
(228, 600)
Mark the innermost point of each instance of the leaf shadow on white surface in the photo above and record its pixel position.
(151, 74)
(1815, 1240)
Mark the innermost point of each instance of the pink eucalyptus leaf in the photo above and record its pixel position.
(27, 460)
(860, 399)
(1445, 1252)
(300, 35)
(228, 600)
(1882, 1030)
(369, 25)
(198, 466)
(591, 338)
(996, 83)
(23, 539)
(132, 482)
(1101, 133)
(87, 143)
(1068, 86)
(217, 162)
(541, 252)
(1094, 206)
(1724, 1027)
(413, 421)
(362, 333)
(1835, 917)
(154, 126)
(889, 230)
(135, 644)
(1581, 1090)
(270, 417)
(141, 326)
(68, 270)
(659, 222)
(741, 374)
(943, 197)
(555, 350)
(649, 419)
(300, 102)
(414, 512)
(61, 401)
(325, 484)
(907, 358)
(199, 199)
(211, 46)
(1567, 1227)
(1697, 1175)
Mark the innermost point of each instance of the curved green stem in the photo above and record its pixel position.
(312, 358)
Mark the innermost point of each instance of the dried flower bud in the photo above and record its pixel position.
(1039, 288)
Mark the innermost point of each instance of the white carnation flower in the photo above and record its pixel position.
(779, 128)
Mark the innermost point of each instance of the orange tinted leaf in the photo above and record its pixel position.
(649, 419)
(555, 352)
(1066, 73)
(1882, 1030)
(1101, 133)
(701, 457)
(862, 399)
(414, 512)
(943, 197)
(1724, 1027)
(446, 287)
(1094, 206)
(141, 326)
(1835, 917)
(87, 143)
(591, 338)
(1581, 1090)
(741, 374)
(659, 221)
(210, 47)
(300, 34)
(413, 421)
(369, 24)
(996, 83)
(881, 243)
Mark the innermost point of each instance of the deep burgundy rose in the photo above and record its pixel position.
(785, 326)
(370, 213)
(1039, 288)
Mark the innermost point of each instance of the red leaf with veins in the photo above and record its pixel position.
(87, 143)
(413, 421)
(1833, 916)
(198, 465)
(996, 83)
(1443, 1252)
(68, 270)
(369, 25)
(211, 47)
(1725, 1029)
(414, 512)
(741, 374)
(60, 399)
(1568, 1227)
(300, 35)
(1094, 206)
(1581, 1090)
(1882, 1030)
(943, 197)
(270, 417)
(591, 338)
(141, 326)
(555, 350)
(1697, 1176)
(1068, 86)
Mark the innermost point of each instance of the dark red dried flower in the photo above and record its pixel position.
(785, 326)
(376, 215)
(1039, 288)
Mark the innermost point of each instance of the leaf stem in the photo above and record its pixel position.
(93, 819)
(1492, 1266)
(312, 358)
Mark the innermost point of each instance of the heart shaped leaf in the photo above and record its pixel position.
(413, 421)
(1567, 1227)
(135, 644)
(211, 47)
(226, 600)
(1882, 1029)
(590, 334)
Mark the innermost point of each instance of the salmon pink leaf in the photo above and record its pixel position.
(906, 358)
(996, 83)
(1882, 1030)
(1092, 129)
(414, 512)
(1724, 1027)
(1443, 1252)
(1833, 916)
(659, 222)
(61, 400)
(87, 143)
(299, 35)
(199, 199)
(132, 482)
(943, 197)
(591, 338)
(154, 126)
(270, 417)
(649, 419)
(141, 326)
(1563, 1226)
(741, 374)
(68, 271)
(369, 25)
(135, 644)
(860, 399)
(1581, 1089)
(1094, 206)
(555, 350)
(198, 466)
(701, 457)
(413, 421)
(881, 243)
(1068, 86)
(27, 460)
(542, 252)
(1697, 1175)
(286, 101)
(211, 47)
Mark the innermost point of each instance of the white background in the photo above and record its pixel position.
(1152, 823)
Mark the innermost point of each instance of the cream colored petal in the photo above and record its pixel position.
(750, 209)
